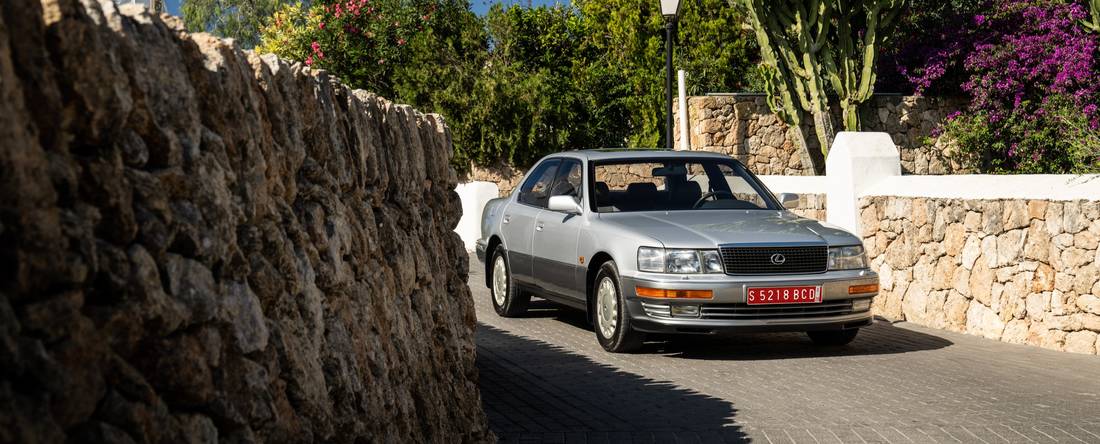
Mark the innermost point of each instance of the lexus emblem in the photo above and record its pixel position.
(778, 259)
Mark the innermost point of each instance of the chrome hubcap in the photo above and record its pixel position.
(607, 307)
(500, 281)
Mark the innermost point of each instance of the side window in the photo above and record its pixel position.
(568, 181)
(536, 189)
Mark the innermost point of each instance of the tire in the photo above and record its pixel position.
(833, 338)
(508, 301)
(610, 318)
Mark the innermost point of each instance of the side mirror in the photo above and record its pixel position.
(565, 204)
(789, 200)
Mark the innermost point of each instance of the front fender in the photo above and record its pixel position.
(620, 245)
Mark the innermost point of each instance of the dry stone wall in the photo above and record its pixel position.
(505, 176)
(201, 244)
(742, 126)
(809, 205)
(1021, 271)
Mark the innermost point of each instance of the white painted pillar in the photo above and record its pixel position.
(474, 196)
(685, 138)
(856, 162)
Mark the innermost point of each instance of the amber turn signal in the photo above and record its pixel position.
(647, 292)
(861, 289)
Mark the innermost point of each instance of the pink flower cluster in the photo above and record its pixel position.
(1032, 51)
(315, 49)
(350, 7)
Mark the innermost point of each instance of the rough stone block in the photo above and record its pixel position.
(261, 253)
(1081, 342)
(981, 320)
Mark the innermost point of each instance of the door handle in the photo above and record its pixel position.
(507, 218)
(538, 227)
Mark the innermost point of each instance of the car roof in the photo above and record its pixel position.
(635, 153)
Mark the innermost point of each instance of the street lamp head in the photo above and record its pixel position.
(670, 8)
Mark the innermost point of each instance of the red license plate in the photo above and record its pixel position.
(784, 295)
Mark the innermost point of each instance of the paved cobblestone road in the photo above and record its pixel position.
(545, 379)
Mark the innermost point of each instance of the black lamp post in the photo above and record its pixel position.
(670, 9)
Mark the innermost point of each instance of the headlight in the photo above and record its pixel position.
(660, 260)
(712, 261)
(651, 259)
(847, 258)
(683, 261)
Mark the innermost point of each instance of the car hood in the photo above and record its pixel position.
(708, 228)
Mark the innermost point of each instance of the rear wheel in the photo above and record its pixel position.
(611, 317)
(507, 300)
(833, 337)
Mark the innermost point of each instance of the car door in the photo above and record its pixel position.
(556, 263)
(517, 224)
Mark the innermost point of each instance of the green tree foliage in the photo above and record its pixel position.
(628, 37)
(527, 97)
(240, 20)
(813, 47)
(519, 82)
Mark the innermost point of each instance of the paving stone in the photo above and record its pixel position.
(545, 379)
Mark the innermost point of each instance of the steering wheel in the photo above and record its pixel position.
(712, 194)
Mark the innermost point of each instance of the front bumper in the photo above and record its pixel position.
(728, 312)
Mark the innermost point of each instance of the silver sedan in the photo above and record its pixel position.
(671, 242)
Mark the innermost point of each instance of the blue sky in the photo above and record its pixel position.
(482, 6)
(479, 6)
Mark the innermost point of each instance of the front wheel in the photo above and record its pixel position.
(611, 317)
(833, 337)
(508, 301)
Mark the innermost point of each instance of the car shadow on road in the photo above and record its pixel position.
(882, 338)
(542, 308)
(879, 339)
(534, 390)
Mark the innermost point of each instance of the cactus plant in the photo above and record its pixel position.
(1093, 24)
(806, 44)
(851, 57)
(791, 34)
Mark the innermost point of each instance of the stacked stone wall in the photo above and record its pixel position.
(742, 126)
(810, 205)
(1020, 271)
(201, 244)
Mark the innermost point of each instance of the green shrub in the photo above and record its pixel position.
(1057, 138)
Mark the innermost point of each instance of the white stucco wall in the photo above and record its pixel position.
(857, 161)
(474, 195)
(989, 186)
(795, 184)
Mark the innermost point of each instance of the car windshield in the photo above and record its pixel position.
(677, 184)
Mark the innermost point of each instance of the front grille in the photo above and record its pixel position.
(758, 260)
(750, 312)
